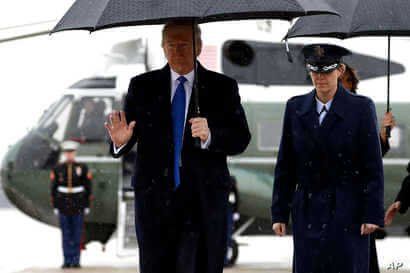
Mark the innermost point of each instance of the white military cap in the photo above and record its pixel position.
(69, 145)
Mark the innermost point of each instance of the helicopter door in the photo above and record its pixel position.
(126, 237)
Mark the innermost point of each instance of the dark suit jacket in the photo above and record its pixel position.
(330, 178)
(204, 173)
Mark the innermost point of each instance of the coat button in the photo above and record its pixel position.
(324, 226)
(329, 195)
(345, 229)
(339, 155)
(309, 226)
(310, 195)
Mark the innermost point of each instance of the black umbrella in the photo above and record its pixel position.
(359, 18)
(94, 15)
(99, 14)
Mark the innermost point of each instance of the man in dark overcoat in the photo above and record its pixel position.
(329, 172)
(181, 190)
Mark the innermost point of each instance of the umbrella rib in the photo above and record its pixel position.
(351, 30)
(102, 13)
(207, 10)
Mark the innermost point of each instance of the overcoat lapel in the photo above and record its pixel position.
(309, 118)
(164, 97)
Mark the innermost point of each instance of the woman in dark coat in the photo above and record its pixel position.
(329, 171)
(350, 81)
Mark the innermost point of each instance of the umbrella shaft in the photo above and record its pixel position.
(195, 85)
(388, 73)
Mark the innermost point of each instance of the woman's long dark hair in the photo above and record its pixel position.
(351, 73)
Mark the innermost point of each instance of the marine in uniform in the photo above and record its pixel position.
(329, 172)
(70, 197)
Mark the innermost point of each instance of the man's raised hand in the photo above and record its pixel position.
(118, 128)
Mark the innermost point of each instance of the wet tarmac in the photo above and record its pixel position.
(239, 269)
(261, 268)
(21, 252)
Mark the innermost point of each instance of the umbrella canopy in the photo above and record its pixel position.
(94, 15)
(357, 18)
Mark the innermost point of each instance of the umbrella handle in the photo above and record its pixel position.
(388, 128)
(197, 140)
(388, 131)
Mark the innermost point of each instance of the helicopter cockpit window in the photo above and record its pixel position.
(88, 117)
(54, 120)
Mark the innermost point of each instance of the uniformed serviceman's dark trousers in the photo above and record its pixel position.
(71, 227)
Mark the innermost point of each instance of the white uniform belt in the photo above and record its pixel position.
(73, 189)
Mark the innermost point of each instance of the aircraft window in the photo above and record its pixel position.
(88, 117)
(47, 113)
(268, 135)
(53, 122)
(61, 121)
(239, 53)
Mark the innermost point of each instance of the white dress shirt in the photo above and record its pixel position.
(188, 92)
(319, 108)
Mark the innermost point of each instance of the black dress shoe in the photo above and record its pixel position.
(65, 266)
(76, 266)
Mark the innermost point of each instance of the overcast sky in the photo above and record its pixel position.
(34, 72)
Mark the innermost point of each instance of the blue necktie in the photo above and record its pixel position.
(178, 120)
